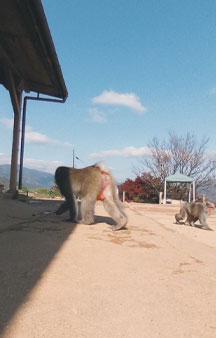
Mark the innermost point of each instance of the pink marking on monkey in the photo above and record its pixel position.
(105, 184)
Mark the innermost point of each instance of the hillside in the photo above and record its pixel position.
(210, 192)
(31, 178)
(34, 179)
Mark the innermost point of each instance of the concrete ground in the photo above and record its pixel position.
(58, 279)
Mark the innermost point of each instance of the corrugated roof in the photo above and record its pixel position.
(26, 47)
(179, 178)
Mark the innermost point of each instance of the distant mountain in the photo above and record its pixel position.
(34, 179)
(210, 192)
(31, 178)
(5, 182)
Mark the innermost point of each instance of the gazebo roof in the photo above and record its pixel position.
(179, 178)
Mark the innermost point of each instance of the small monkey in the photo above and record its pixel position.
(193, 211)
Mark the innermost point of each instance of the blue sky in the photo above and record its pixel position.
(134, 69)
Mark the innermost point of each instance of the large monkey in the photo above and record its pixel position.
(91, 184)
(194, 211)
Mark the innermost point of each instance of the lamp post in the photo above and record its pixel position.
(77, 158)
(73, 158)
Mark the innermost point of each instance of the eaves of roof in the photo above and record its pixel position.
(27, 49)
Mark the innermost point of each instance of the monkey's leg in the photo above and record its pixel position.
(79, 215)
(179, 217)
(120, 206)
(190, 220)
(63, 208)
(71, 201)
(203, 221)
(113, 209)
(87, 209)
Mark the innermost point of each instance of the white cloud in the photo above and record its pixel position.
(96, 115)
(67, 144)
(48, 166)
(32, 136)
(124, 99)
(125, 152)
(43, 165)
(35, 137)
(5, 159)
(8, 123)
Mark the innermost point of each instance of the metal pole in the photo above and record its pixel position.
(73, 158)
(32, 98)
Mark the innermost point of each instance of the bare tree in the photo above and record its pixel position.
(179, 154)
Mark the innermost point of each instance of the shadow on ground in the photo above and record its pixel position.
(27, 247)
(30, 236)
(104, 219)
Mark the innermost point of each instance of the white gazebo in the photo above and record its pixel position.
(179, 178)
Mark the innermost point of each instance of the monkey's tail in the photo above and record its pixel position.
(102, 167)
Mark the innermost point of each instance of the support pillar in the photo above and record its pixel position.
(15, 151)
(194, 192)
(16, 99)
(189, 197)
(164, 200)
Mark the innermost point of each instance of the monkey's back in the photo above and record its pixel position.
(196, 208)
(85, 179)
(79, 181)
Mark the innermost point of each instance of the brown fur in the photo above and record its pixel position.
(88, 183)
(193, 211)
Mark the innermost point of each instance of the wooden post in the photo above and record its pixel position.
(16, 99)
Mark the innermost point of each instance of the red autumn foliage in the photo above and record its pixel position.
(141, 189)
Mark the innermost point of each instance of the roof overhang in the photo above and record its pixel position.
(27, 49)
